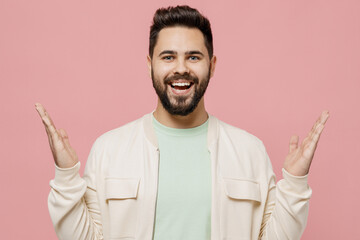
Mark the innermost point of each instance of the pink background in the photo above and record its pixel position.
(279, 64)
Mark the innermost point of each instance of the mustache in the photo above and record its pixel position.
(179, 76)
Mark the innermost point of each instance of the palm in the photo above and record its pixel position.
(299, 159)
(63, 152)
(64, 155)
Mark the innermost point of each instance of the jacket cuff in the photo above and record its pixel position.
(67, 176)
(298, 183)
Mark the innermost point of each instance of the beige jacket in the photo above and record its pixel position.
(116, 197)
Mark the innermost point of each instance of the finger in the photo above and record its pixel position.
(44, 115)
(48, 123)
(49, 138)
(63, 134)
(65, 138)
(314, 127)
(41, 111)
(66, 141)
(294, 141)
(315, 138)
(51, 121)
(324, 116)
(55, 139)
(321, 122)
(53, 134)
(54, 142)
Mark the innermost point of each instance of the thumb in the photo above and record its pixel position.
(294, 140)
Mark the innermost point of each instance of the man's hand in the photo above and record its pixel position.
(64, 155)
(299, 159)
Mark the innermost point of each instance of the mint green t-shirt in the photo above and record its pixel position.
(183, 206)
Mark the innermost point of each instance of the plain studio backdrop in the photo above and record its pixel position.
(280, 63)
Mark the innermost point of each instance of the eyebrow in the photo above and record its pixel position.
(186, 53)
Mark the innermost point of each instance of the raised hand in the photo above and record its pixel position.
(299, 159)
(64, 155)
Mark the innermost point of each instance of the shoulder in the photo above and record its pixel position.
(242, 153)
(241, 137)
(120, 135)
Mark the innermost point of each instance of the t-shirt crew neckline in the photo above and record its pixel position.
(181, 132)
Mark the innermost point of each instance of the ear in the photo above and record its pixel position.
(212, 66)
(149, 64)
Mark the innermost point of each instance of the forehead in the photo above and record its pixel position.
(180, 39)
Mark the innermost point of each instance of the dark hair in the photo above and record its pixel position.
(180, 16)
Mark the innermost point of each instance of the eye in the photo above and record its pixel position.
(168, 58)
(194, 58)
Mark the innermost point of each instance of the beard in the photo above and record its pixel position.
(180, 105)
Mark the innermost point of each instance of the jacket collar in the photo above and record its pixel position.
(213, 130)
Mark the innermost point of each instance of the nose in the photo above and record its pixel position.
(181, 67)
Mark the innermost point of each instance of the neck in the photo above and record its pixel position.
(194, 119)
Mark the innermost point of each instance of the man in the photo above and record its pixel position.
(179, 173)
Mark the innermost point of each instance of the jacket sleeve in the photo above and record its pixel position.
(287, 207)
(73, 203)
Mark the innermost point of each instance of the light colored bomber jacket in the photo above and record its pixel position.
(116, 197)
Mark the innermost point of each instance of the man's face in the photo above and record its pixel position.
(180, 69)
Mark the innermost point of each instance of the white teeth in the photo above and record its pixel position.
(180, 84)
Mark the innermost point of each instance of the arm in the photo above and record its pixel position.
(73, 205)
(287, 204)
(286, 210)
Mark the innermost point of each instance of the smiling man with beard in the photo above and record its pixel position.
(182, 67)
(179, 172)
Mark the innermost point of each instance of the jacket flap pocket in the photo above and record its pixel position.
(121, 188)
(242, 189)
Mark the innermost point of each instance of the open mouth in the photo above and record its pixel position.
(181, 85)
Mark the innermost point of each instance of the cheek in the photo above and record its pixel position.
(161, 71)
(202, 71)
